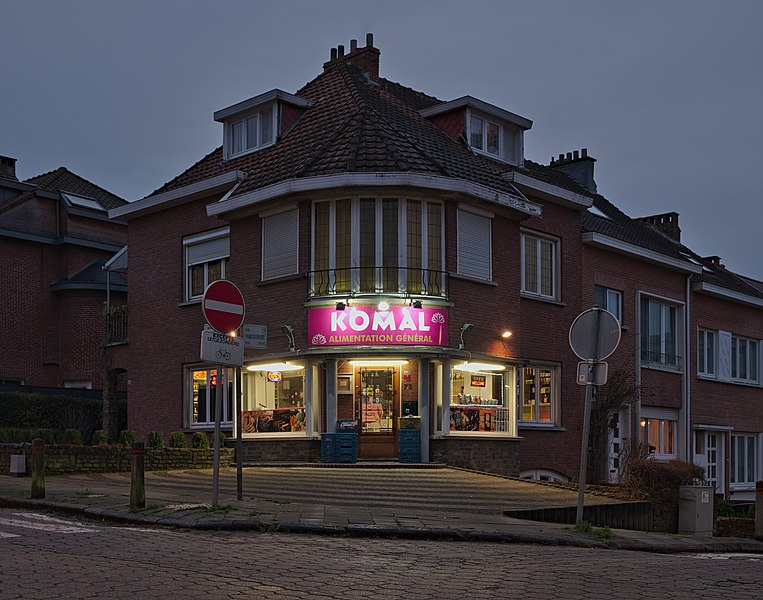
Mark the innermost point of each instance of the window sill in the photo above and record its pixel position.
(526, 296)
(665, 368)
(194, 302)
(472, 279)
(280, 279)
(480, 434)
(541, 427)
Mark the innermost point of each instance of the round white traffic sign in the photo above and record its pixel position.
(594, 334)
(223, 306)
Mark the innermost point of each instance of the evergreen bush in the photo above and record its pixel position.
(100, 438)
(19, 435)
(200, 440)
(126, 437)
(155, 440)
(177, 439)
(72, 437)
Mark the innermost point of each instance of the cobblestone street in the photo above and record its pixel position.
(47, 556)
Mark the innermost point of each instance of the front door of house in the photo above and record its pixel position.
(377, 410)
(713, 456)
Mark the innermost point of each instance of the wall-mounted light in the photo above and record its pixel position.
(341, 305)
(275, 367)
(506, 334)
(416, 304)
(477, 366)
(464, 328)
(378, 363)
(288, 331)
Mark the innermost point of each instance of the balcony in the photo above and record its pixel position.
(116, 324)
(355, 281)
(649, 357)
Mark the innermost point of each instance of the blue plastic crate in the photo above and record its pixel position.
(409, 456)
(328, 447)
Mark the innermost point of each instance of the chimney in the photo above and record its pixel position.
(8, 167)
(366, 59)
(715, 261)
(666, 224)
(578, 166)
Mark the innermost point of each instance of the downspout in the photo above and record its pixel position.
(638, 368)
(687, 374)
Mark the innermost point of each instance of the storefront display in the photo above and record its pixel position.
(478, 400)
(273, 399)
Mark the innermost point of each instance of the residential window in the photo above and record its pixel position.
(610, 300)
(203, 396)
(252, 132)
(497, 139)
(280, 244)
(659, 333)
(480, 400)
(474, 245)
(539, 266)
(659, 435)
(535, 395)
(206, 260)
(706, 352)
(273, 400)
(377, 245)
(743, 463)
(744, 359)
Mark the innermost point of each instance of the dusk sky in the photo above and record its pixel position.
(667, 95)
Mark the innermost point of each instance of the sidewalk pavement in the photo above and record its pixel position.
(380, 500)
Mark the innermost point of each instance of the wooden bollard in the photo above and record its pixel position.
(759, 510)
(38, 468)
(138, 478)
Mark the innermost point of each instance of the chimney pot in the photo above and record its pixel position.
(569, 156)
(340, 50)
(369, 40)
(333, 54)
(584, 152)
(575, 154)
(561, 157)
(353, 45)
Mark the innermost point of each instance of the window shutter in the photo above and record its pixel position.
(280, 244)
(208, 250)
(474, 245)
(724, 356)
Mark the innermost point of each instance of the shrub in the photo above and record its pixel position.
(155, 440)
(200, 440)
(100, 438)
(222, 440)
(177, 439)
(72, 436)
(126, 437)
(20, 435)
(659, 482)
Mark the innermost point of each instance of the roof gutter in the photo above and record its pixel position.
(715, 290)
(402, 179)
(548, 190)
(598, 239)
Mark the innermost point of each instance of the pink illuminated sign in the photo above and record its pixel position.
(368, 326)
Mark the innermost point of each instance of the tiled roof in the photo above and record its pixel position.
(63, 180)
(93, 274)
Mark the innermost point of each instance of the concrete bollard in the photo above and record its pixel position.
(138, 477)
(759, 510)
(38, 468)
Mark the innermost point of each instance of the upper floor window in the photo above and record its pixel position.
(744, 359)
(378, 245)
(659, 333)
(540, 257)
(206, 257)
(609, 300)
(280, 244)
(706, 352)
(253, 131)
(494, 137)
(536, 395)
(474, 245)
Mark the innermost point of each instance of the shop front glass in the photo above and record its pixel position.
(273, 399)
(480, 400)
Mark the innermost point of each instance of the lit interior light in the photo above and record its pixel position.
(383, 305)
(275, 367)
(475, 366)
(378, 363)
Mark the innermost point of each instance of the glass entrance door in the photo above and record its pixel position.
(377, 409)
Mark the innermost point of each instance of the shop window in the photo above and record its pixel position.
(706, 352)
(659, 436)
(535, 396)
(743, 460)
(377, 245)
(273, 399)
(474, 245)
(540, 256)
(479, 401)
(744, 360)
(280, 244)
(203, 396)
(206, 259)
(610, 300)
(659, 333)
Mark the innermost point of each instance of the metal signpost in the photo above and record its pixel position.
(224, 309)
(594, 336)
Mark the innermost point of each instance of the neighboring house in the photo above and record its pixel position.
(406, 259)
(55, 238)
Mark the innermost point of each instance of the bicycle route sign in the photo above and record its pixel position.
(223, 306)
(222, 349)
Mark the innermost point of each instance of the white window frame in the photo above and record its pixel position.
(280, 243)
(242, 121)
(754, 459)
(613, 301)
(752, 362)
(474, 240)
(535, 421)
(707, 353)
(509, 137)
(226, 414)
(661, 423)
(555, 268)
(664, 357)
(218, 242)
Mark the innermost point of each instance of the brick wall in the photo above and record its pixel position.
(490, 455)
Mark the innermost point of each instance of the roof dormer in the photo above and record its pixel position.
(257, 123)
(488, 130)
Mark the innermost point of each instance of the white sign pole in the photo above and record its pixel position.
(239, 443)
(218, 411)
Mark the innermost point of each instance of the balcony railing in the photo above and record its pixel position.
(378, 280)
(116, 324)
(657, 358)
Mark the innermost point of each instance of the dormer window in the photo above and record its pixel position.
(258, 122)
(490, 136)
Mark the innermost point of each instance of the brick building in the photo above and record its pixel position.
(55, 237)
(407, 260)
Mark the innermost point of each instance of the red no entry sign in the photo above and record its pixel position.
(223, 306)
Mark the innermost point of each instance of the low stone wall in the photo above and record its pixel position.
(734, 527)
(263, 451)
(490, 455)
(61, 459)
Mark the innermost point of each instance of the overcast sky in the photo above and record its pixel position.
(667, 95)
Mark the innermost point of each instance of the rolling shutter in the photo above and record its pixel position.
(280, 244)
(474, 245)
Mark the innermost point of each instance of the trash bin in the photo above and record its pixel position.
(695, 509)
